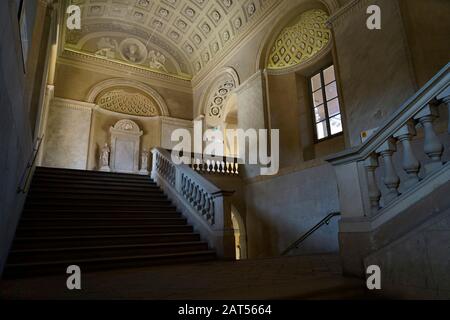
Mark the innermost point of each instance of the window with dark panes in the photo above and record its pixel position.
(326, 107)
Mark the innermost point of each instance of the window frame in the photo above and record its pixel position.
(325, 104)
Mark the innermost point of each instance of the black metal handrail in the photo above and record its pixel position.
(305, 236)
(22, 188)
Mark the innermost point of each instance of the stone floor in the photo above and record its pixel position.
(304, 277)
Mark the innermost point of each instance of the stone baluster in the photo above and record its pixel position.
(371, 165)
(191, 190)
(207, 205)
(446, 100)
(210, 211)
(223, 166)
(183, 185)
(432, 145)
(198, 197)
(390, 178)
(410, 163)
(201, 204)
(194, 193)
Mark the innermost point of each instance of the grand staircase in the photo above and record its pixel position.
(99, 221)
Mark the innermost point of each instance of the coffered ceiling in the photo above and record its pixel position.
(172, 37)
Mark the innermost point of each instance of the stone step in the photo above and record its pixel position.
(89, 221)
(99, 230)
(101, 240)
(89, 265)
(42, 255)
(101, 213)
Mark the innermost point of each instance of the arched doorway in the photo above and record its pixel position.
(240, 236)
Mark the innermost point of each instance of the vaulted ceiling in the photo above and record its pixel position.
(175, 37)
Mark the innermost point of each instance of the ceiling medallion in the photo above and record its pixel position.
(132, 50)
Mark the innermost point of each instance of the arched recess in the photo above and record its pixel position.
(329, 6)
(240, 235)
(120, 82)
(215, 97)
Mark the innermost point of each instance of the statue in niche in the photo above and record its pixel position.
(144, 162)
(107, 48)
(157, 60)
(104, 158)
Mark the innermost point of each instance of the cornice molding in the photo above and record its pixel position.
(98, 109)
(93, 63)
(176, 121)
(72, 104)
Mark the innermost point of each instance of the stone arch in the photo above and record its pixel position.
(120, 82)
(329, 6)
(215, 97)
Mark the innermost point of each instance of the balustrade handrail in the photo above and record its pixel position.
(206, 184)
(426, 95)
(359, 171)
(310, 232)
(205, 163)
(207, 207)
(193, 155)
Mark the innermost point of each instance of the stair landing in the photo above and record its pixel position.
(316, 277)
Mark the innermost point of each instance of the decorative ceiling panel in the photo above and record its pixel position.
(300, 41)
(131, 103)
(175, 37)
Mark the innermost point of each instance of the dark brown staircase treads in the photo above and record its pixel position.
(99, 221)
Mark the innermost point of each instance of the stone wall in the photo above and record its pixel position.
(416, 264)
(76, 131)
(280, 209)
(375, 70)
(427, 27)
(16, 123)
(67, 135)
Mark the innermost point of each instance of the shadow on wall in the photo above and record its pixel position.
(281, 209)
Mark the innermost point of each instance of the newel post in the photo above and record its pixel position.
(353, 185)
